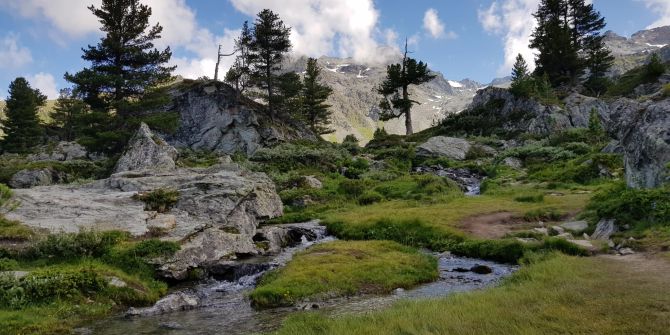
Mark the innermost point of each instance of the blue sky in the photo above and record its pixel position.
(41, 39)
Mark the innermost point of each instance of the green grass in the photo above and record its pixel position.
(68, 280)
(14, 230)
(447, 213)
(344, 268)
(563, 295)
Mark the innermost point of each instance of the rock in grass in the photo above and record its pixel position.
(311, 182)
(626, 251)
(556, 230)
(575, 226)
(604, 229)
(147, 151)
(442, 146)
(584, 244)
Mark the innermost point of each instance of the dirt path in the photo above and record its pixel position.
(492, 225)
(643, 263)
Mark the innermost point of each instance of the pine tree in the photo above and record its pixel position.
(270, 43)
(521, 80)
(288, 98)
(125, 66)
(67, 112)
(395, 89)
(314, 95)
(239, 74)
(569, 40)
(22, 127)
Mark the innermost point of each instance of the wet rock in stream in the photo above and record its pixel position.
(469, 181)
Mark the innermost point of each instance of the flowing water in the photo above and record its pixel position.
(224, 308)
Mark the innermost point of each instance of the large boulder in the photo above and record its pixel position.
(147, 150)
(33, 177)
(442, 146)
(214, 219)
(62, 151)
(212, 117)
(643, 129)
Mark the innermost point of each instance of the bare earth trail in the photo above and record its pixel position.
(492, 225)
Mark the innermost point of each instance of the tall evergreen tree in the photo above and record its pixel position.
(270, 43)
(239, 74)
(125, 65)
(569, 39)
(314, 95)
(522, 83)
(288, 98)
(22, 127)
(68, 111)
(395, 89)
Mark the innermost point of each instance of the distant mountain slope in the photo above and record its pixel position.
(355, 99)
(636, 50)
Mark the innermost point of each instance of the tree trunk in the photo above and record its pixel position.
(408, 113)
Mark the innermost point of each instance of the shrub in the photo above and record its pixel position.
(322, 156)
(197, 158)
(477, 151)
(578, 148)
(74, 246)
(351, 144)
(7, 264)
(160, 200)
(369, 198)
(353, 188)
(638, 208)
(536, 152)
(135, 259)
(530, 198)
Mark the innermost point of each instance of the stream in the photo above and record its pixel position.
(224, 309)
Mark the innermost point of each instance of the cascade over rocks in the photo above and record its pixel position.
(212, 118)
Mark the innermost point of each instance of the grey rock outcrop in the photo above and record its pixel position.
(643, 129)
(575, 226)
(30, 178)
(63, 151)
(178, 301)
(604, 229)
(521, 115)
(212, 118)
(215, 217)
(147, 150)
(442, 146)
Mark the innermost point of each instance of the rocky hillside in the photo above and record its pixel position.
(211, 118)
(634, 51)
(355, 100)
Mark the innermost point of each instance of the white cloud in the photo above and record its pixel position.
(180, 28)
(660, 7)
(69, 16)
(12, 54)
(514, 21)
(435, 27)
(325, 27)
(46, 83)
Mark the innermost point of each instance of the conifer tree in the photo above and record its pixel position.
(569, 40)
(521, 79)
(288, 98)
(125, 65)
(22, 127)
(270, 43)
(314, 95)
(396, 100)
(67, 112)
(239, 74)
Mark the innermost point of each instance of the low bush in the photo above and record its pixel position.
(639, 208)
(160, 200)
(369, 198)
(14, 230)
(530, 198)
(136, 258)
(322, 156)
(197, 158)
(75, 246)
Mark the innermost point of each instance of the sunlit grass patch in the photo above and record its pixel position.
(344, 268)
